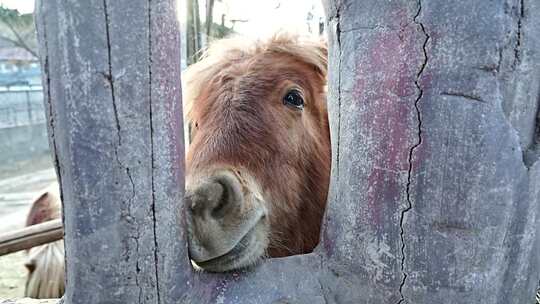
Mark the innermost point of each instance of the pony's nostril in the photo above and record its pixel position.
(215, 197)
(230, 196)
(204, 198)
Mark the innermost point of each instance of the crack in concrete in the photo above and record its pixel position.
(468, 96)
(338, 38)
(512, 42)
(152, 158)
(137, 267)
(51, 112)
(52, 125)
(109, 76)
(531, 154)
(411, 151)
(499, 60)
(517, 47)
(364, 28)
(110, 79)
(128, 173)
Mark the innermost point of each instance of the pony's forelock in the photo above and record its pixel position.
(226, 52)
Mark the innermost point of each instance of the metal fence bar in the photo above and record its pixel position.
(21, 108)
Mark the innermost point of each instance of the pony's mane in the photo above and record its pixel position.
(227, 52)
(47, 279)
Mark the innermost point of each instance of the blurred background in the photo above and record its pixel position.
(25, 162)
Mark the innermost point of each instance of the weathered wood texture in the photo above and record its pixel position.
(28, 237)
(435, 121)
(112, 87)
(435, 184)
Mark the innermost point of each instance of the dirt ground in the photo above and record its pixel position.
(12, 275)
(17, 190)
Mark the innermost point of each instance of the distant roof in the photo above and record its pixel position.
(15, 53)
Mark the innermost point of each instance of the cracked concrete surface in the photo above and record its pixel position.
(105, 156)
(413, 148)
(468, 203)
(152, 157)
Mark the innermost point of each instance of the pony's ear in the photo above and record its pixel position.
(39, 210)
(45, 207)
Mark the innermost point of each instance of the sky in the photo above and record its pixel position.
(23, 6)
(262, 16)
(266, 16)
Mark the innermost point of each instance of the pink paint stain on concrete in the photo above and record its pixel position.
(386, 91)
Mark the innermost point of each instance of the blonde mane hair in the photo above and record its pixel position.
(47, 279)
(227, 52)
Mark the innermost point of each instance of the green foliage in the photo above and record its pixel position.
(23, 22)
(8, 13)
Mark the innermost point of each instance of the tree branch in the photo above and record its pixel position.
(19, 42)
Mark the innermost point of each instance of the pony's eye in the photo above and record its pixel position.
(294, 99)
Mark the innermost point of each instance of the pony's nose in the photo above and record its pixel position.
(214, 216)
(213, 198)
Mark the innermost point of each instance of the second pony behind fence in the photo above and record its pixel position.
(45, 263)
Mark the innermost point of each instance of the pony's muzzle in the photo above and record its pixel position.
(221, 218)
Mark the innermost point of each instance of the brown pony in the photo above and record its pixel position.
(45, 263)
(258, 164)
